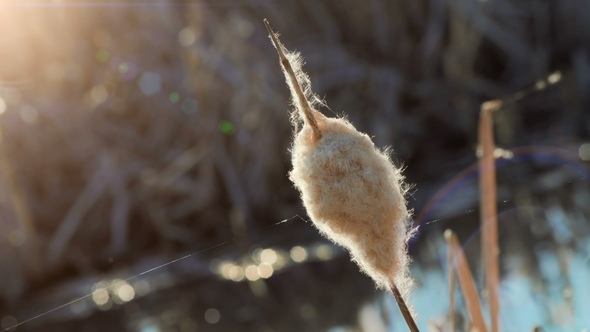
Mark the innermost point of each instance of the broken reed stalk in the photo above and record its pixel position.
(465, 281)
(488, 212)
(352, 191)
(451, 279)
(404, 308)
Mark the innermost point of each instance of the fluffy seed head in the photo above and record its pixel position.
(355, 197)
(352, 191)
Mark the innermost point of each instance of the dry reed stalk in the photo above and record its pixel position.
(351, 190)
(488, 214)
(301, 102)
(466, 281)
(451, 278)
(22, 212)
(404, 308)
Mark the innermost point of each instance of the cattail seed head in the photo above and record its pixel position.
(355, 197)
(352, 191)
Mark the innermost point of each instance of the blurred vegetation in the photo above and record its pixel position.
(135, 133)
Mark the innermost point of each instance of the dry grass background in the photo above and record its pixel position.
(97, 176)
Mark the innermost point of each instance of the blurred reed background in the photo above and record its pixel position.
(135, 133)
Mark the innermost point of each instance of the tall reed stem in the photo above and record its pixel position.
(404, 308)
(489, 219)
(450, 264)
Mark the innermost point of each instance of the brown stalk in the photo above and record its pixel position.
(21, 210)
(488, 214)
(451, 278)
(466, 281)
(305, 106)
(404, 308)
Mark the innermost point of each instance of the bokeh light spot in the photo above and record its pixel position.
(126, 293)
(100, 296)
(236, 273)
(128, 70)
(102, 55)
(174, 97)
(298, 254)
(324, 252)
(150, 83)
(99, 94)
(141, 287)
(212, 315)
(265, 270)
(252, 273)
(8, 322)
(29, 114)
(224, 269)
(281, 261)
(189, 106)
(268, 256)
(554, 78)
(584, 152)
(187, 36)
(226, 127)
(123, 68)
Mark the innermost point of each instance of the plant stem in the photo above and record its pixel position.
(466, 282)
(489, 219)
(301, 98)
(404, 308)
(450, 264)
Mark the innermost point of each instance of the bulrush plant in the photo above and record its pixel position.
(351, 190)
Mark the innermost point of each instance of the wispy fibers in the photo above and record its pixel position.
(352, 191)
